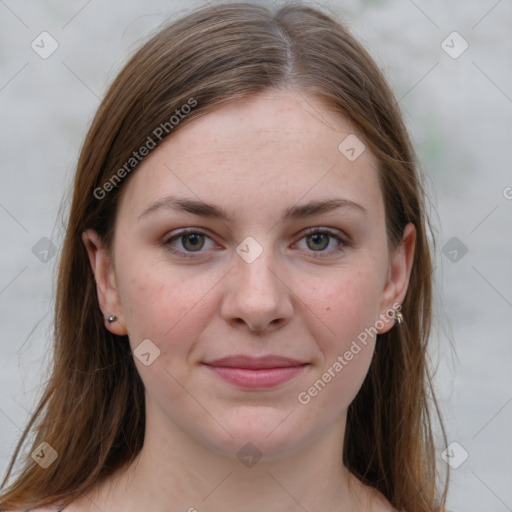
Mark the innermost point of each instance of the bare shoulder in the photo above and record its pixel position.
(53, 508)
(79, 504)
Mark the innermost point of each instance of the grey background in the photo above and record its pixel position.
(459, 111)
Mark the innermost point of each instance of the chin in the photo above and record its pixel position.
(270, 431)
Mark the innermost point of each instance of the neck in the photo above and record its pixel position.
(173, 472)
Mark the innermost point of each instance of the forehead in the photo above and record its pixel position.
(267, 152)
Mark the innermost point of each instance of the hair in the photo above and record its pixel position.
(92, 410)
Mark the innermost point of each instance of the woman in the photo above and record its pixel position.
(244, 297)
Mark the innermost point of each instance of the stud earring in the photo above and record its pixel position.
(398, 317)
(111, 319)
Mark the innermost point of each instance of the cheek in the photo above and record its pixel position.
(163, 308)
(160, 302)
(348, 308)
(347, 303)
(171, 311)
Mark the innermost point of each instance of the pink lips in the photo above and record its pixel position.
(256, 372)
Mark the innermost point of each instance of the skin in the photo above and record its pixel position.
(254, 159)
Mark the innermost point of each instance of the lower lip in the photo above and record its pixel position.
(262, 379)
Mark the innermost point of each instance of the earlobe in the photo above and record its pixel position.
(398, 276)
(106, 287)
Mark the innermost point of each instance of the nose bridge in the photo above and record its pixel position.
(256, 272)
(257, 294)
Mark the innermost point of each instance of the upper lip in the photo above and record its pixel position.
(255, 363)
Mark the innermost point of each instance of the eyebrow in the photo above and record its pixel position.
(203, 209)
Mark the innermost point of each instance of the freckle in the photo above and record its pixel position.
(327, 308)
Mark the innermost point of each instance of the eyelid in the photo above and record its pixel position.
(330, 231)
(175, 234)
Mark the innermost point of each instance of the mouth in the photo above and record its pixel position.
(256, 373)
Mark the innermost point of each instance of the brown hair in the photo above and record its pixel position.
(92, 411)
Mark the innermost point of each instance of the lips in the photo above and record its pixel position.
(255, 363)
(256, 372)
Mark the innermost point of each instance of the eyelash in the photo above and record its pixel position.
(311, 231)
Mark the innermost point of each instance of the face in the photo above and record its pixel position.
(290, 283)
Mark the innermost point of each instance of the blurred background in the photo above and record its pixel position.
(449, 64)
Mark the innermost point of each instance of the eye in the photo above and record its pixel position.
(193, 241)
(317, 240)
(190, 240)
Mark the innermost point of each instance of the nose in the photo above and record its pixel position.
(257, 296)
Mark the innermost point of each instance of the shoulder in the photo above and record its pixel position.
(50, 508)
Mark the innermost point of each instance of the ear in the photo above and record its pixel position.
(399, 274)
(104, 275)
